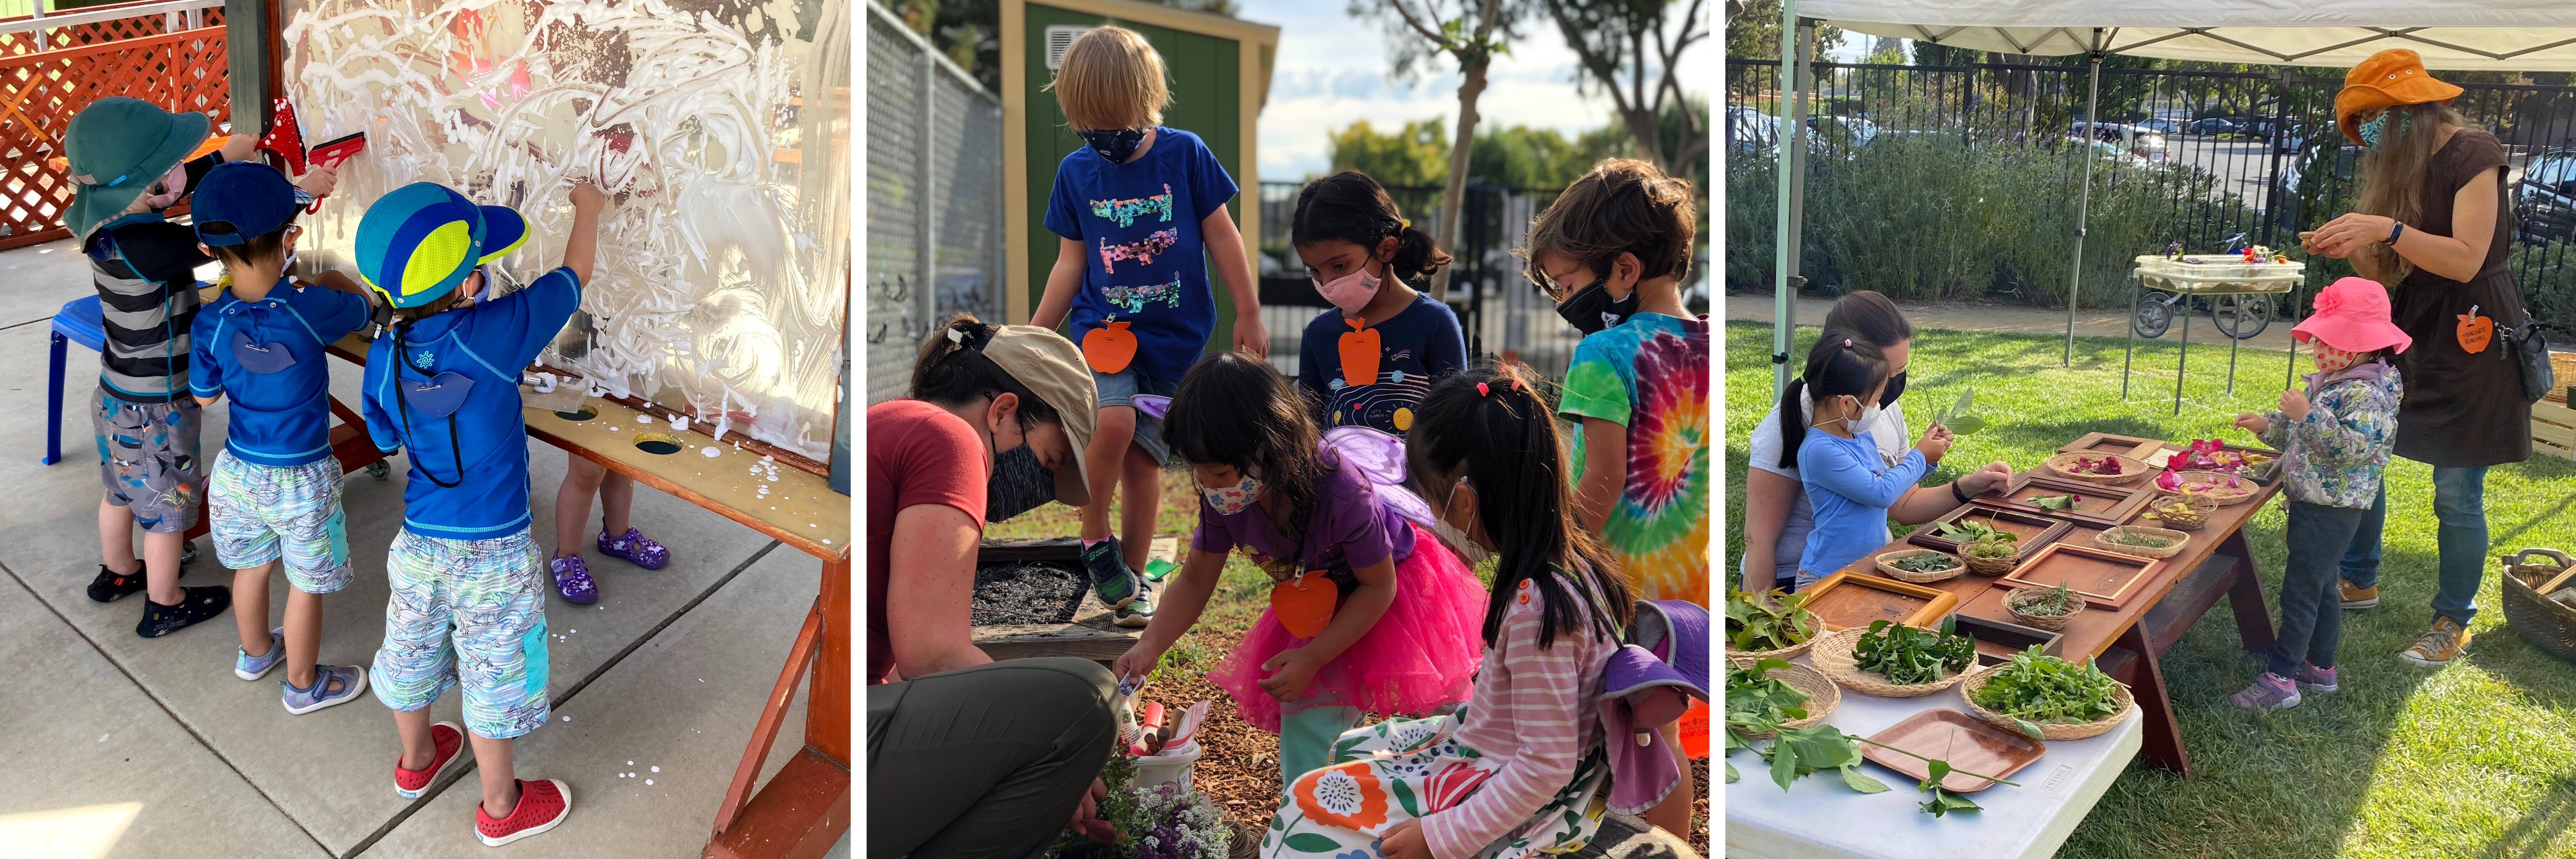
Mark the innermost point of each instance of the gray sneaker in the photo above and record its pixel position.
(1116, 583)
(332, 684)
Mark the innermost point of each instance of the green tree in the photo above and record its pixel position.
(969, 32)
(1464, 33)
(1754, 34)
(1415, 156)
(1631, 49)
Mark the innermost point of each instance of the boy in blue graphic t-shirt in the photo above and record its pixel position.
(1141, 211)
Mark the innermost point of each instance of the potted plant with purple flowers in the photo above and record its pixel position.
(1154, 822)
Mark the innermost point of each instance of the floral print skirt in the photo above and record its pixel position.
(1403, 769)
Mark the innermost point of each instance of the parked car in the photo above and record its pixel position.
(1749, 130)
(2544, 202)
(1842, 133)
(2213, 127)
(2136, 140)
(2162, 126)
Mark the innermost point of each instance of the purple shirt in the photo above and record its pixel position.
(1347, 529)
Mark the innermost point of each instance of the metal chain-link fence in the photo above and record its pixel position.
(934, 200)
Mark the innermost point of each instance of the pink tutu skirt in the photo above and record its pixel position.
(1421, 654)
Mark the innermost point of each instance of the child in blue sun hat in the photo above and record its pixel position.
(443, 384)
(275, 491)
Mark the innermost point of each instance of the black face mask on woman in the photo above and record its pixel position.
(1895, 388)
(1591, 309)
(1018, 486)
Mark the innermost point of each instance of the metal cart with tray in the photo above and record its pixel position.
(2240, 295)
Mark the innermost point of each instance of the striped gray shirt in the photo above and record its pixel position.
(145, 271)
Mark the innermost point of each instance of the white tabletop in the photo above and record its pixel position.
(1820, 818)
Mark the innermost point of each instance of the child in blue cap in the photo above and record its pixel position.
(128, 160)
(443, 384)
(275, 491)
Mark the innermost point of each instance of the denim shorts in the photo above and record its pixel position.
(1117, 388)
(262, 513)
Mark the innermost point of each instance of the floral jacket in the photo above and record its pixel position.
(2336, 455)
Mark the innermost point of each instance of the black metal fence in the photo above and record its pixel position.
(1940, 182)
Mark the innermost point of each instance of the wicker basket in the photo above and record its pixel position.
(1990, 566)
(2201, 508)
(1822, 695)
(2050, 622)
(2180, 541)
(2547, 624)
(2131, 470)
(2219, 491)
(2120, 698)
(1887, 567)
(1833, 657)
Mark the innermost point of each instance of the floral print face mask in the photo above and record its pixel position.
(1233, 499)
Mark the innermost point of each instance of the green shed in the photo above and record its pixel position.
(1220, 69)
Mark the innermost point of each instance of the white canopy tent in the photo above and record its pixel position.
(2510, 35)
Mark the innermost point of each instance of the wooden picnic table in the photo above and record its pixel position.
(2216, 563)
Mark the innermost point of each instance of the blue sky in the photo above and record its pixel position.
(1332, 70)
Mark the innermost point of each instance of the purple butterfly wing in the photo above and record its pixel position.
(1380, 457)
(1150, 404)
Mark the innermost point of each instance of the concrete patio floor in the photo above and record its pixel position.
(122, 746)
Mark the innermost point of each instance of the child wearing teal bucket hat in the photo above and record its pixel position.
(128, 160)
(443, 384)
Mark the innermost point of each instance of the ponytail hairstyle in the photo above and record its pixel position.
(1349, 206)
(1234, 409)
(1869, 316)
(1841, 363)
(1490, 424)
(951, 373)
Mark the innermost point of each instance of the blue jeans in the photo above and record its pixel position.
(2311, 622)
(2460, 514)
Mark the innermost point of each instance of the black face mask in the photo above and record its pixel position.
(1895, 388)
(1591, 309)
(1018, 486)
(1116, 146)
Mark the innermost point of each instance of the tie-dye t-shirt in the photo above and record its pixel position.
(1651, 376)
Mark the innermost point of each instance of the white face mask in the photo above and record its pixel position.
(1232, 500)
(1455, 537)
(1868, 415)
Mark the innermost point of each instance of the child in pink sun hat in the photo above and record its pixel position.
(2334, 436)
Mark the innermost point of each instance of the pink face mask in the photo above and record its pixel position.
(1350, 292)
(2333, 360)
(174, 184)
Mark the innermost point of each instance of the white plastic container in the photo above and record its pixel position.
(1170, 767)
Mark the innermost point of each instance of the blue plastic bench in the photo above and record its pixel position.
(80, 321)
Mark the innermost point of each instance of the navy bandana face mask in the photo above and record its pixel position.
(1115, 146)
(1018, 486)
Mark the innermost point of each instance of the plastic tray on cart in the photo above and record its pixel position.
(2219, 274)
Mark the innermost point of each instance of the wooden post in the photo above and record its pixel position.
(248, 24)
(804, 809)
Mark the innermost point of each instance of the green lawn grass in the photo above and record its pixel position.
(2476, 760)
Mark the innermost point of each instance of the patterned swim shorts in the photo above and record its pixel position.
(470, 611)
(264, 512)
(147, 457)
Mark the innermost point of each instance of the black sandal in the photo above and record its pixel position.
(111, 586)
(201, 604)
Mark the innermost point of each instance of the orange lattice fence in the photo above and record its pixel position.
(155, 56)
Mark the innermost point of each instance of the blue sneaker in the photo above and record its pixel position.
(332, 684)
(248, 667)
(1116, 583)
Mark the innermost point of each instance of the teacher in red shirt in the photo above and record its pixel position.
(967, 756)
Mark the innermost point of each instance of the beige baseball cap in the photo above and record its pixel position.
(1052, 368)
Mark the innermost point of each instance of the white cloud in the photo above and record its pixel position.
(1332, 70)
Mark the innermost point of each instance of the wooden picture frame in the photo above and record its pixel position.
(2133, 447)
(1845, 600)
(2105, 579)
(2034, 528)
(1998, 640)
(2102, 505)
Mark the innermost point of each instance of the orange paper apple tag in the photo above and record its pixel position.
(1109, 347)
(2475, 331)
(1359, 354)
(1304, 604)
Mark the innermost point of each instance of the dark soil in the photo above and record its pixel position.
(1026, 593)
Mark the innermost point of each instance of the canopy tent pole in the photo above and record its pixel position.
(1798, 35)
(2083, 198)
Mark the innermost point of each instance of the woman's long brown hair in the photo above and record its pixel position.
(2392, 173)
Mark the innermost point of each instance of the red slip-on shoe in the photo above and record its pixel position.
(450, 740)
(542, 804)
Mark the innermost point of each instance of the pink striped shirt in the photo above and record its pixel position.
(1532, 711)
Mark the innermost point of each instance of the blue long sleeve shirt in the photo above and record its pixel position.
(1850, 486)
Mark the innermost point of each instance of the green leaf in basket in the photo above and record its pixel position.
(1858, 781)
(1308, 842)
(1404, 796)
(2028, 728)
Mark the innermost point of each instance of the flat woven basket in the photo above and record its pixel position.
(2201, 508)
(1833, 656)
(1991, 566)
(2180, 540)
(2063, 466)
(1822, 695)
(2121, 698)
(1888, 568)
(2052, 623)
(2548, 624)
(2219, 491)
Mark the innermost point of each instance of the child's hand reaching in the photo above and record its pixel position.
(1138, 661)
(1935, 443)
(2253, 423)
(319, 181)
(1249, 335)
(1296, 669)
(2294, 403)
(586, 197)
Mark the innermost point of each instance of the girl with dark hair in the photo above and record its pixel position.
(1368, 613)
(1367, 361)
(1528, 746)
(1777, 515)
(1849, 484)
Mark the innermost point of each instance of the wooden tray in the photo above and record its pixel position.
(2105, 579)
(2133, 470)
(2035, 530)
(2129, 446)
(1997, 640)
(2264, 475)
(2100, 505)
(1967, 742)
(1844, 600)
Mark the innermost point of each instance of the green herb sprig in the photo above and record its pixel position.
(2035, 689)
(1779, 622)
(1907, 655)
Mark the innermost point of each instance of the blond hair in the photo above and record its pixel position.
(1111, 79)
